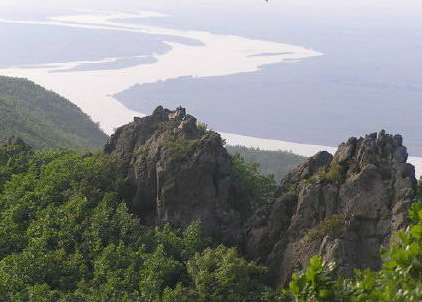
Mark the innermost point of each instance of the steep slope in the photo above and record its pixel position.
(44, 119)
(343, 207)
(66, 235)
(179, 172)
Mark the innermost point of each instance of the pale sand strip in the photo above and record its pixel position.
(301, 149)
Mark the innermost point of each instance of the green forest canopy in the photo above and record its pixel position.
(43, 118)
(66, 234)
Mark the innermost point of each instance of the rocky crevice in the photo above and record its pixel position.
(180, 172)
(347, 206)
(343, 207)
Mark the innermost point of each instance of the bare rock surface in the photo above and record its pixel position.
(343, 207)
(179, 171)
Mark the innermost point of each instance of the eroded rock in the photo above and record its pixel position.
(343, 207)
(179, 173)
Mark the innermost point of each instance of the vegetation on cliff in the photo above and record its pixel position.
(147, 220)
(66, 235)
(400, 278)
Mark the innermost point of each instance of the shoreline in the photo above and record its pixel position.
(182, 60)
(299, 149)
(241, 55)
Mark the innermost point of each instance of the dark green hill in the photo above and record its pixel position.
(77, 226)
(277, 163)
(43, 118)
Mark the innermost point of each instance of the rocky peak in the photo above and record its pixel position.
(343, 207)
(376, 149)
(179, 172)
(130, 137)
(311, 167)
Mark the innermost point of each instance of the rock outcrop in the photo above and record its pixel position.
(343, 207)
(179, 171)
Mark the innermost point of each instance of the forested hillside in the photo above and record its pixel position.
(70, 229)
(43, 118)
(66, 234)
(276, 163)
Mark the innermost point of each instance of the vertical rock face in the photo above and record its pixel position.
(179, 172)
(343, 207)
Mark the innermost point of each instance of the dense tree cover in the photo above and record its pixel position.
(276, 163)
(13, 159)
(43, 118)
(255, 189)
(67, 235)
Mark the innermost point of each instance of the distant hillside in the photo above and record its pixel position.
(148, 220)
(43, 118)
(277, 163)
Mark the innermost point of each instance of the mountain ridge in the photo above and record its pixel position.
(165, 214)
(367, 182)
(43, 118)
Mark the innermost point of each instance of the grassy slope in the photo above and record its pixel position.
(43, 118)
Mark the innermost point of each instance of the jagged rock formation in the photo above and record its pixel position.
(179, 171)
(342, 207)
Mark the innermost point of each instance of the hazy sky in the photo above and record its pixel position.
(316, 7)
(372, 54)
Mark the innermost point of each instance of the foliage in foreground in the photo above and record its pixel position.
(67, 235)
(400, 278)
(255, 191)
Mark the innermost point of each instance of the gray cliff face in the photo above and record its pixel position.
(180, 172)
(343, 207)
